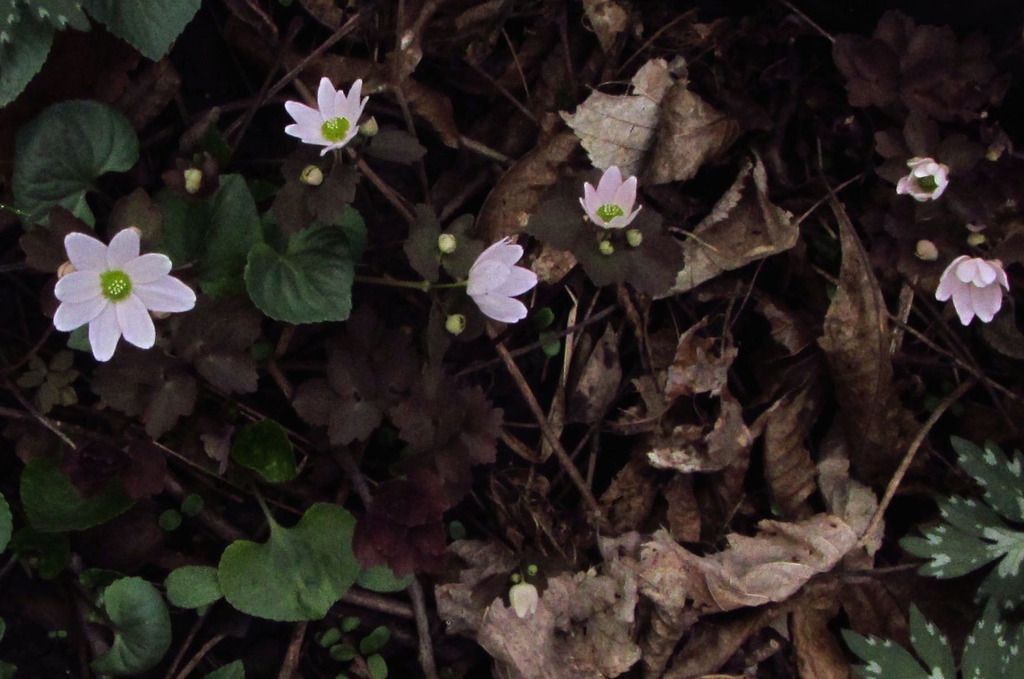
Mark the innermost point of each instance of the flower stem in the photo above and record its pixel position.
(11, 208)
(422, 286)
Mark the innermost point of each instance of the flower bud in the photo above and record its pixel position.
(605, 247)
(312, 176)
(976, 239)
(532, 569)
(455, 324)
(634, 237)
(524, 598)
(370, 128)
(193, 180)
(926, 251)
(65, 269)
(447, 243)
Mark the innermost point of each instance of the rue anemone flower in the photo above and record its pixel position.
(523, 597)
(334, 121)
(113, 288)
(494, 280)
(926, 181)
(974, 284)
(610, 205)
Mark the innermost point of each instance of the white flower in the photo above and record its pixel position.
(926, 181)
(334, 121)
(523, 598)
(494, 281)
(973, 283)
(113, 288)
(610, 205)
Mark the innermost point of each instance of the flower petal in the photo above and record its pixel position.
(136, 324)
(610, 182)
(986, 273)
(148, 267)
(306, 117)
(166, 294)
(325, 99)
(71, 315)
(518, 281)
(78, 286)
(626, 195)
(963, 304)
(967, 270)
(986, 302)
(104, 333)
(948, 282)
(503, 251)
(504, 309)
(85, 252)
(352, 99)
(487, 275)
(124, 247)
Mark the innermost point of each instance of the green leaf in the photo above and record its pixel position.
(63, 150)
(396, 146)
(299, 573)
(53, 504)
(350, 623)
(23, 56)
(264, 447)
(375, 640)
(99, 578)
(329, 637)
(142, 628)
(192, 505)
(377, 666)
(234, 228)
(149, 27)
(193, 586)
(999, 477)
(3, 629)
(48, 553)
(234, 670)
(931, 645)
(6, 523)
(183, 224)
(382, 579)
(170, 520)
(7, 670)
(987, 651)
(883, 658)
(310, 283)
(343, 652)
(61, 14)
(421, 245)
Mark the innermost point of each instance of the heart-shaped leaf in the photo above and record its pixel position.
(142, 628)
(193, 586)
(299, 573)
(264, 447)
(311, 281)
(149, 27)
(53, 504)
(63, 150)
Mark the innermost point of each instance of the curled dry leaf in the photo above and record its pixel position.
(701, 364)
(690, 448)
(691, 132)
(845, 497)
(818, 653)
(752, 571)
(788, 466)
(713, 642)
(856, 345)
(619, 129)
(629, 499)
(608, 19)
(743, 227)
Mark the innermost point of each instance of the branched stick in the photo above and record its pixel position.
(908, 458)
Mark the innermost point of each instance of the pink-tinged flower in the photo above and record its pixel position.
(494, 280)
(926, 181)
(610, 205)
(113, 288)
(523, 598)
(973, 283)
(334, 121)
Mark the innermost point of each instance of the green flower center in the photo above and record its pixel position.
(609, 211)
(115, 285)
(927, 183)
(335, 129)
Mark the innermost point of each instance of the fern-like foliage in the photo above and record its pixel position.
(992, 651)
(974, 533)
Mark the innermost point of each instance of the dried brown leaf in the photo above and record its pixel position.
(743, 227)
(752, 571)
(691, 132)
(149, 93)
(690, 448)
(845, 497)
(712, 643)
(598, 383)
(789, 469)
(608, 19)
(856, 344)
(683, 511)
(818, 653)
(701, 364)
(619, 129)
(629, 499)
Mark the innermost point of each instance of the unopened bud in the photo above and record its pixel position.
(193, 179)
(976, 239)
(605, 247)
(370, 128)
(447, 243)
(532, 569)
(634, 237)
(64, 269)
(312, 176)
(455, 324)
(926, 251)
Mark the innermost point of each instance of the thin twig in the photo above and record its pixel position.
(377, 602)
(389, 193)
(810, 22)
(294, 654)
(200, 654)
(38, 416)
(549, 434)
(908, 458)
(426, 646)
(184, 646)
